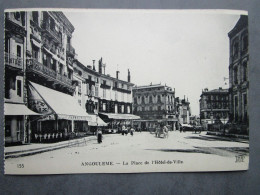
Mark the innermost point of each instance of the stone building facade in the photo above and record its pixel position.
(154, 103)
(238, 74)
(214, 107)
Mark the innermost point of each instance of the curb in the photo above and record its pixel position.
(29, 152)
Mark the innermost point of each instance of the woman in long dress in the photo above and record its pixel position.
(99, 136)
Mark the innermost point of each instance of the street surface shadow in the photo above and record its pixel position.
(206, 138)
(220, 151)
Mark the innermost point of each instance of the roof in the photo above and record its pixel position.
(150, 86)
(241, 23)
(121, 116)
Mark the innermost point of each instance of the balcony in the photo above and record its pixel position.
(70, 50)
(13, 61)
(36, 67)
(50, 33)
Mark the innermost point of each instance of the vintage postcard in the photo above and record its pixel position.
(125, 91)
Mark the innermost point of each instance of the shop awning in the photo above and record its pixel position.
(97, 121)
(17, 109)
(63, 105)
(121, 116)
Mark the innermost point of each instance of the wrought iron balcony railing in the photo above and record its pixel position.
(35, 66)
(46, 27)
(13, 61)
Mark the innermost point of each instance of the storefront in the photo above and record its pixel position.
(117, 121)
(62, 115)
(17, 125)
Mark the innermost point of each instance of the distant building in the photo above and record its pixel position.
(238, 74)
(154, 103)
(183, 110)
(115, 99)
(214, 106)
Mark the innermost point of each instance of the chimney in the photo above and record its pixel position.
(94, 68)
(128, 77)
(100, 66)
(104, 66)
(117, 74)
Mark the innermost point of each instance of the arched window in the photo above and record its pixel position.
(159, 99)
(150, 99)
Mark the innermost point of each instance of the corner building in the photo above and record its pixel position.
(154, 103)
(214, 107)
(238, 75)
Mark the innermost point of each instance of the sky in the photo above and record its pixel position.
(188, 51)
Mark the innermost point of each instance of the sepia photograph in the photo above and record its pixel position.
(125, 91)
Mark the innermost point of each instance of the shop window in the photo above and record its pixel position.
(7, 126)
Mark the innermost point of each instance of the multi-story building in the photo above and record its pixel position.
(183, 110)
(214, 107)
(103, 95)
(115, 98)
(238, 74)
(39, 69)
(16, 113)
(154, 103)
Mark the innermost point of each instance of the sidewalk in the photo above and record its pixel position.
(36, 148)
(227, 135)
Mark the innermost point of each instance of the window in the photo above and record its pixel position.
(96, 91)
(245, 42)
(128, 110)
(159, 99)
(235, 49)
(244, 71)
(18, 51)
(87, 89)
(104, 106)
(122, 109)
(143, 100)
(19, 88)
(135, 100)
(35, 52)
(52, 24)
(35, 16)
(17, 16)
(235, 75)
(150, 99)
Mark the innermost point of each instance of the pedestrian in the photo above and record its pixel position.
(99, 136)
(132, 131)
